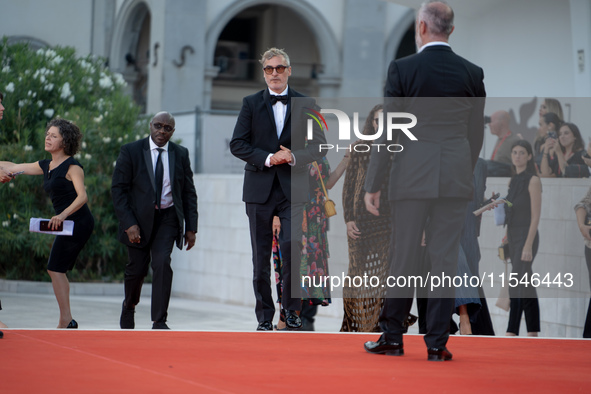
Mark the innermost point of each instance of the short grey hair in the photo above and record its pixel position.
(438, 16)
(271, 53)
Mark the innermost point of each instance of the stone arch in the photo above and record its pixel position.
(34, 42)
(327, 44)
(396, 34)
(128, 38)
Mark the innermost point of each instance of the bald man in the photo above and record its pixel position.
(432, 179)
(156, 203)
(499, 126)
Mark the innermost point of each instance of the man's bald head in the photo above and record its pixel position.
(499, 123)
(439, 18)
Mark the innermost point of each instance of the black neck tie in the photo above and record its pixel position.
(159, 177)
(283, 99)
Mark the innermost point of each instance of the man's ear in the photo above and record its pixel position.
(422, 28)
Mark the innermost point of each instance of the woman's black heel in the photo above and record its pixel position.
(73, 324)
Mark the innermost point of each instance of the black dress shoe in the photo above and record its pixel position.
(160, 325)
(73, 324)
(292, 320)
(384, 347)
(438, 354)
(265, 326)
(127, 321)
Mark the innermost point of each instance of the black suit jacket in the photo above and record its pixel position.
(446, 93)
(255, 137)
(133, 190)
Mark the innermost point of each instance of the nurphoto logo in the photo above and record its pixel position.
(344, 132)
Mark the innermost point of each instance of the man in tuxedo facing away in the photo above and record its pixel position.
(432, 177)
(270, 138)
(156, 203)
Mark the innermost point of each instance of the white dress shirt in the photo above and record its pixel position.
(433, 43)
(166, 198)
(279, 111)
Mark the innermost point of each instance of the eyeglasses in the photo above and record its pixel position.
(269, 69)
(167, 128)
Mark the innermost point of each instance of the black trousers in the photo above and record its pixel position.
(157, 252)
(408, 222)
(260, 217)
(524, 299)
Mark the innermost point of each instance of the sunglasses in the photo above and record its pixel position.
(377, 120)
(269, 69)
(167, 128)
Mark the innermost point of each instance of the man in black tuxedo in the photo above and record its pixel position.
(270, 137)
(432, 177)
(156, 203)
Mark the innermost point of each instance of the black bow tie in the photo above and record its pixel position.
(283, 99)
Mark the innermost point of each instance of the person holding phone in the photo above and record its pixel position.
(545, 143)
(63, 180)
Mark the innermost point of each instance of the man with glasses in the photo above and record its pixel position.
(156, 203)
(270, 137)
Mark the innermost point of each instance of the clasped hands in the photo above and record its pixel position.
(281, 156)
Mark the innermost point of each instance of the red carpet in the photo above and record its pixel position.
(194, 362)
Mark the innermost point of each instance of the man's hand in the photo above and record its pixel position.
(276, 225)
(133, 233)
(281, 156)
(372, 202)
(189, 239)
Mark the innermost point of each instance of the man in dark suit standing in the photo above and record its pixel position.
(276, 156)
(432, 177)
(156, 203)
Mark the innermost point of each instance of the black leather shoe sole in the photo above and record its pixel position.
(438, 354)
(389, 349)
(160, 325)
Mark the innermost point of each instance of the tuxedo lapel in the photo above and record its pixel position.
(171, 161)
(148, 160)
(269, 108)
(288, 113)
(286, 132)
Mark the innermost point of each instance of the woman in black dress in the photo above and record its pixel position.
(63, 180)
(522, 219)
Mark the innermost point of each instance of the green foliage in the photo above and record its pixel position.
(38, 86)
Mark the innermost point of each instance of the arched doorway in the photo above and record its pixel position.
(401, 40)
(241, 43)
(245, 29)
(131, 49)
(34, 43)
